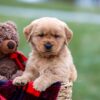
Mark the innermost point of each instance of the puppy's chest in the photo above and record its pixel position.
(54, 64)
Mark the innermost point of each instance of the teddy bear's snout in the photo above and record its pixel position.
(11, 45)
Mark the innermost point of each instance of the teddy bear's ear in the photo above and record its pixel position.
(27, 32)
(0, 28)
(12, 24)
(68, 33)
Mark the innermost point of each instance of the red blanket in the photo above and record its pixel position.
(10, 92)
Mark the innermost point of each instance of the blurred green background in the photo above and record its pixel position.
(83, 17)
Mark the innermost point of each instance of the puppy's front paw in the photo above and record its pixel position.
(39, 85)
(20, 81)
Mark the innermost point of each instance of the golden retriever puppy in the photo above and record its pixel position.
(50, 60)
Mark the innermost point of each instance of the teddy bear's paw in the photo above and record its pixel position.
(20, 81)
(3, 77)
(40, 86)
(18, 73)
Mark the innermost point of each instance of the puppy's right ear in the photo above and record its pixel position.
(27, 32)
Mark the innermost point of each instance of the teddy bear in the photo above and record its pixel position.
(10, 58)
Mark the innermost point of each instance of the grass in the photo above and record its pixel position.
(65, 6)
(86, 52)
(85, 49)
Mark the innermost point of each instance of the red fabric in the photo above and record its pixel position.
(2, 98)
(29, 89)
(19, 59)
(10, 92)
(30, 93)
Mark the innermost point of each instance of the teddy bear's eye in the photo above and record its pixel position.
(0, 36)
(4, 37)
(12, 37)
(3, 27)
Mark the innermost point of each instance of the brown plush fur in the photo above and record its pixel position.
(46, 67)
(8, 44)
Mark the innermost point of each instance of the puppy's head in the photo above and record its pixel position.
(48, 35)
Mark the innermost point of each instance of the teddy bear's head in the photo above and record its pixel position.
(8, 38)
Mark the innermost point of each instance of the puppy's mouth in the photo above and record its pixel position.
(47, 55)
(48, 52)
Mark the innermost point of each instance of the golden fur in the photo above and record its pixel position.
(46, 68)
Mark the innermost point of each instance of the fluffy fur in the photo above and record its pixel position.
(47, 67)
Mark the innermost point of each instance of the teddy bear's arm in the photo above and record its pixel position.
(3, 77)
(18, 73)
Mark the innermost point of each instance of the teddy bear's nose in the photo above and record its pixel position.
(10, 45)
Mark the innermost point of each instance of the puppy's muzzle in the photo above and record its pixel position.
(48, 46)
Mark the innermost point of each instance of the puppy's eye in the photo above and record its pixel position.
(57, 36)
(41, 35)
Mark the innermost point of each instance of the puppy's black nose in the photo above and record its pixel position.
(48, 46)
(10, 45)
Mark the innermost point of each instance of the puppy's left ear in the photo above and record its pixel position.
(69, 34)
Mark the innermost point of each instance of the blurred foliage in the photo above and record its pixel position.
(63, 5)
(70, 1)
